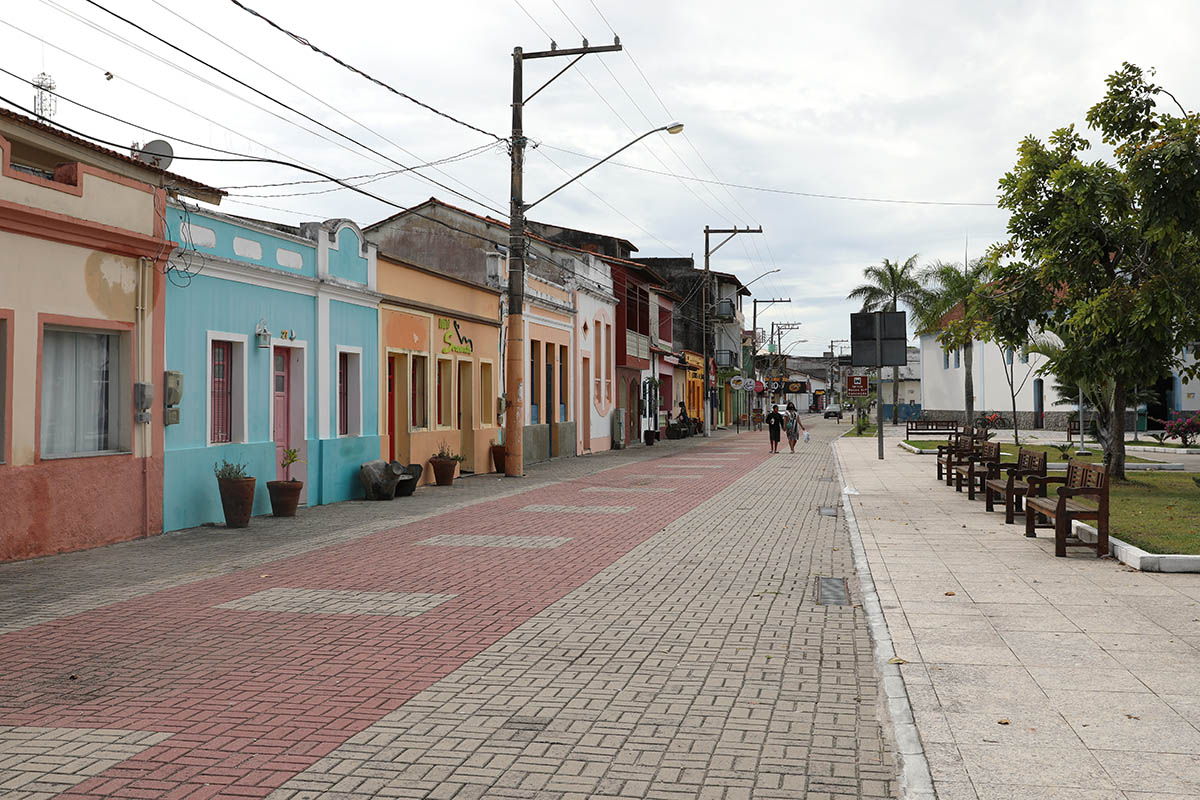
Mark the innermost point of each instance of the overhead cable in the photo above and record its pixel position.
(279, 102)
(301, 40)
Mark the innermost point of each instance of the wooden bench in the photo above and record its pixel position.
(959, 446)
(1082, 480)
(975, 468)
(921, 427)
(1073, 429)
(1009, 480)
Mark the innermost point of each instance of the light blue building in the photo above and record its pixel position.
(274, 331)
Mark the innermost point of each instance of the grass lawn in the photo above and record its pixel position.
(867, 431)
(1052, 454)
(1152, 443)
(1158, 512)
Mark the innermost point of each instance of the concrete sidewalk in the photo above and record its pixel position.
(1029, 676)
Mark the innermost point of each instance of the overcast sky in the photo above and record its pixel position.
(903, 101)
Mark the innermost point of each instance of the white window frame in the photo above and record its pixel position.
(121, 420)
(239, 412)
(354, 394)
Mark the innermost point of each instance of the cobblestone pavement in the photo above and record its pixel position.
(548, 642)
(1029, 676)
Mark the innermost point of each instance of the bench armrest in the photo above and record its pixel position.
(1039, 482)
(1067, 491)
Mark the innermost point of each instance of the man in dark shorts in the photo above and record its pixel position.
(774, 427)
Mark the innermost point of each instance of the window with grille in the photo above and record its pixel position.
(343, 394)
(349, 389)
(222, 392)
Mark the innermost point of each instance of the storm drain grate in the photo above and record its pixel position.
(829, 511)
(832, 592)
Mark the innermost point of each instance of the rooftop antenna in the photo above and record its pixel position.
(45, 104)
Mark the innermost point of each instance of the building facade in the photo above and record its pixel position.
(273, 332)
(439, 359)
(83, 252)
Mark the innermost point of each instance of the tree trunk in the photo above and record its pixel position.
(969, 381)
(895, 395)
(1114, 456)
(1013, 393)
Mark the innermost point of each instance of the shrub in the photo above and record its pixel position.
(1182, 427)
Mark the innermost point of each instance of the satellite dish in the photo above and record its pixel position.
(157, 153)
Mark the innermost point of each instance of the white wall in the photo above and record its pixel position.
(593, 279)
(942, 389)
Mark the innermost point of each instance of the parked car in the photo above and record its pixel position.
(833, 411)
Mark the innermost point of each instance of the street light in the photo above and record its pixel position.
(760, 277)
(514, 349)
(674, 127)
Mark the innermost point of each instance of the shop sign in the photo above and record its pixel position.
(452, 340)
(760, 387)
(737, 382)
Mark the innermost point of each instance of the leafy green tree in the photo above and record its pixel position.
(888, 286)
(945, 309)
(1108, 254)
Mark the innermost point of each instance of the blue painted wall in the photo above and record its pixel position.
(907, 412)
(347, 262)
(206, 303)
(226, 232)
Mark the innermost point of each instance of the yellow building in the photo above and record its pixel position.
(439, 344)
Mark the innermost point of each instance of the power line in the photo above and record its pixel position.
(301, 40)
(770, 189)
(279, 102)
(306, 92)
(610, 205)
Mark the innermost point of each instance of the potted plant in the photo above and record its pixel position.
(444, 462)
(285, 494)
(497, 456)
(237, 493)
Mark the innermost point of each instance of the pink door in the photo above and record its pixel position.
(282, 397)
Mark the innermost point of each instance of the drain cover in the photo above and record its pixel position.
(832, 592)
(828, 511)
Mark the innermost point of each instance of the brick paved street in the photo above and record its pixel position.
(638, 624)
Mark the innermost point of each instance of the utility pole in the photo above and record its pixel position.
(729, 234)
(780, 357)
(514, 353)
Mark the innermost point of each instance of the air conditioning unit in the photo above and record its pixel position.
(618, 428)
(724, 309)
(726, 358)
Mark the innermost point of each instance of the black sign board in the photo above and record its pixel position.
(892, 334)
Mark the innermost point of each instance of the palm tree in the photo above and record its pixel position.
(888, 285)
(946, 288)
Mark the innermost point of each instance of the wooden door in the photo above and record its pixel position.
(391, 406)
(281, 391)
(466, 415)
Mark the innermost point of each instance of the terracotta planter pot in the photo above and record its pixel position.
(285, 496)
(649, 437)
(237, 500)
(443, 470)
(498, 457)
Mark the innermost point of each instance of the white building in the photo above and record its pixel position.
(1038, 404)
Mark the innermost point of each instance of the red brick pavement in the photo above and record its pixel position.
(251, 698)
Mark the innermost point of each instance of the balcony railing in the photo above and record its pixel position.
(637, 345)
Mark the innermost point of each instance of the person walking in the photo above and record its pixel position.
(774, 427)
(792, 425)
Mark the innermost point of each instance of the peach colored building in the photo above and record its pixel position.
(439, 366)
(82, 257)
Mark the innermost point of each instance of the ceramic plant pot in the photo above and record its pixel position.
(237, 500)
(498, 457)
(285, 496)
(443, 470)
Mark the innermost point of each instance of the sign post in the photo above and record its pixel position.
(879, 339)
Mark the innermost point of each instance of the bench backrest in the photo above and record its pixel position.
(1081, 475)
(990, 451)
(932, 425)
(1032, 460)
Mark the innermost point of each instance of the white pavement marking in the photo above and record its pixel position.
(292, 600)
(484, 540)
(39, 763)
(540, 508)
(650, 489)
(661, 476)
(693, 466)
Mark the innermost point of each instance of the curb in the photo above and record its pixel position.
(1153, 466)
(916, 781)
(1136, 557)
